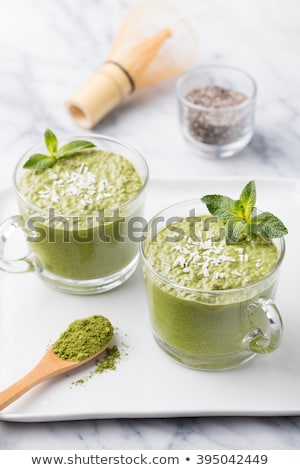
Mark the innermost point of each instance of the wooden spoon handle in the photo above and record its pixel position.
(12, 393)
(49, 366)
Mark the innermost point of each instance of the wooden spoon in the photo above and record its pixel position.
(49, 366)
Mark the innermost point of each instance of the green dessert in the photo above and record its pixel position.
(91, 181)
(200, 263)
(203, 276)
(83, 198)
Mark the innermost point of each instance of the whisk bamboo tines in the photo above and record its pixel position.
(154, 43)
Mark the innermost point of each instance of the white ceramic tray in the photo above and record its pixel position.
(147, 383)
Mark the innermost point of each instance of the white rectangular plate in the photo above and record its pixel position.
(147, 383)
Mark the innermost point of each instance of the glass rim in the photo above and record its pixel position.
(85, 136)
(193, 289)
(199, 68)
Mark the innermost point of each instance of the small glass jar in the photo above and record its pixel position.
(216, 109)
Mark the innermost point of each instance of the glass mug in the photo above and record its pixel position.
(82, 254)
(210, 329)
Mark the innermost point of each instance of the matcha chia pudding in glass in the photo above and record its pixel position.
(211, 279)
(77, 199)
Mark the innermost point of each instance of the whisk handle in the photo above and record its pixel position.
(103, 92)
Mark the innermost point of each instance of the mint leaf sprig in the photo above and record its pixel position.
(40, 161)
(242, 222)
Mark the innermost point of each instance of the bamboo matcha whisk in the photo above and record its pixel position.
(154, 43)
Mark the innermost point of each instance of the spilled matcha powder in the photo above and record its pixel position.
(109, 362)
(83, 338)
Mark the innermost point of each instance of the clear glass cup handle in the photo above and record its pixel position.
(265, 342)
(21, 265)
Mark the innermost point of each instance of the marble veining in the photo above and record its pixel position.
(163, 434)
(45, 58)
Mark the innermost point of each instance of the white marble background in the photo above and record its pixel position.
(47, 49)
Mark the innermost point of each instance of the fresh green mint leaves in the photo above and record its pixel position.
(241, 220)
(39, 161)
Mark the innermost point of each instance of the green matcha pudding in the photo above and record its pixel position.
(78, 203)
(210, 299)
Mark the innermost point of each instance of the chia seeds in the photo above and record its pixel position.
(216, 125)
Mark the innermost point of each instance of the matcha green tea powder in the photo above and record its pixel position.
(83, 338)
